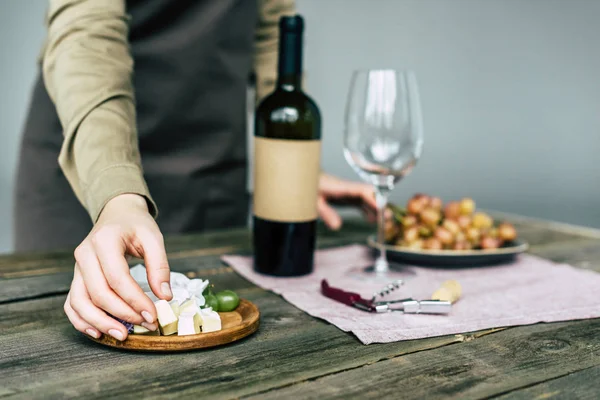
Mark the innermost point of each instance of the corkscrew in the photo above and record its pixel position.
(408, 305)
(389, 288)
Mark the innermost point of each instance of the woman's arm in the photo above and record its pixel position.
(87, 70)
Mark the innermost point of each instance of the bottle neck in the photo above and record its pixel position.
(289, 75)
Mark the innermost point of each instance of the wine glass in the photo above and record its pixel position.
(383, 139)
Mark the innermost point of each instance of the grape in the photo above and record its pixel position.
(452, 210)
(414, 206)
(391, 230)
(424, 231)
(435, 203)
(482, 220)
(443, 235)
(409, 220)
(411, 234)
(416, 245)
(461, 245)
(467, 206)
(488, 242)
(464, 221)
(432, 244)
(472, 235)
(507, 231)
(430, 217)
(452, 226)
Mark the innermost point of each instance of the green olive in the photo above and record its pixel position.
(228, 300)
(212, 301)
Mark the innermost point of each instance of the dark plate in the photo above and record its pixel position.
(453, 258)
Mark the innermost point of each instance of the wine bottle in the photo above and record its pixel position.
(287, 147)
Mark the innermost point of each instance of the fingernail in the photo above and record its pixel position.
(93, 333)
(150, 327)
(148, 317)
(116, 334)
(166, 289)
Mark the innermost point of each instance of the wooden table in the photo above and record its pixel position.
(292, 355)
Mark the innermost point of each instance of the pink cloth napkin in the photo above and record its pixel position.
(527, 291)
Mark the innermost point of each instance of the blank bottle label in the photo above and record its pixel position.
(286, 179)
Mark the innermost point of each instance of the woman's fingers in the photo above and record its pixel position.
(101, 293)
(330, 217)
(151, 245)
(79, 322)
(89, 313)
(110, 247)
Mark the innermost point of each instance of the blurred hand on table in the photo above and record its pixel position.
(336, 191)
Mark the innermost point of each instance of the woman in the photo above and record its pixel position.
(143, 102)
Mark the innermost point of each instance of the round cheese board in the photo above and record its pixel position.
(235, 325)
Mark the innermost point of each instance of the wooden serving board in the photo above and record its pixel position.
(235, 325)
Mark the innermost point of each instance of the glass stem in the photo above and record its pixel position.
(381, 197)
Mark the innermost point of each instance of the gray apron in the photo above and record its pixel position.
(193, 59)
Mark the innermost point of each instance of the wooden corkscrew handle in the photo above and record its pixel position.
(448, 291)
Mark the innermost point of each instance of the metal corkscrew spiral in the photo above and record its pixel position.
(389, 288)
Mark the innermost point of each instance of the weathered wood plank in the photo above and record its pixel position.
(44, 357)
(480, 368)
(580, 385)
(203, 263)
(581, 253)
(27, 288)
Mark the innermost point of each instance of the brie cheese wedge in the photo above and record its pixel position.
(191, 306)
(140, 330)
(187, 324)
(167, 319)
(211, 321)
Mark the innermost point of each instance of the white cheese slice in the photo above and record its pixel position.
(140, 330)
(187, 324)
(167, 319)
(211, 321)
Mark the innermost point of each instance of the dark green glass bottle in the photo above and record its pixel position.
(287, 147)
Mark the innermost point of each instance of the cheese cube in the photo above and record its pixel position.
(190, 306)
(176, 308)
(187, 324)
(167, 319)
(211, 321)
(140, 330)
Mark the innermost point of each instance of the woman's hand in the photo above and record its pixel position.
(102, 283)
(334, 190)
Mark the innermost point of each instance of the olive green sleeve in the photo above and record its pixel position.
(267, 43)
(87, 70)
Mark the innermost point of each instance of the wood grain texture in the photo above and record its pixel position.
(580, 385)
(235, 325)
(58, 362)
(42, 356)
(480, 368)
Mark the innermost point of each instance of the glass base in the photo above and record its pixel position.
(377, 274)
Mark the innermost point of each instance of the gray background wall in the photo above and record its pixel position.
(510, 92)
